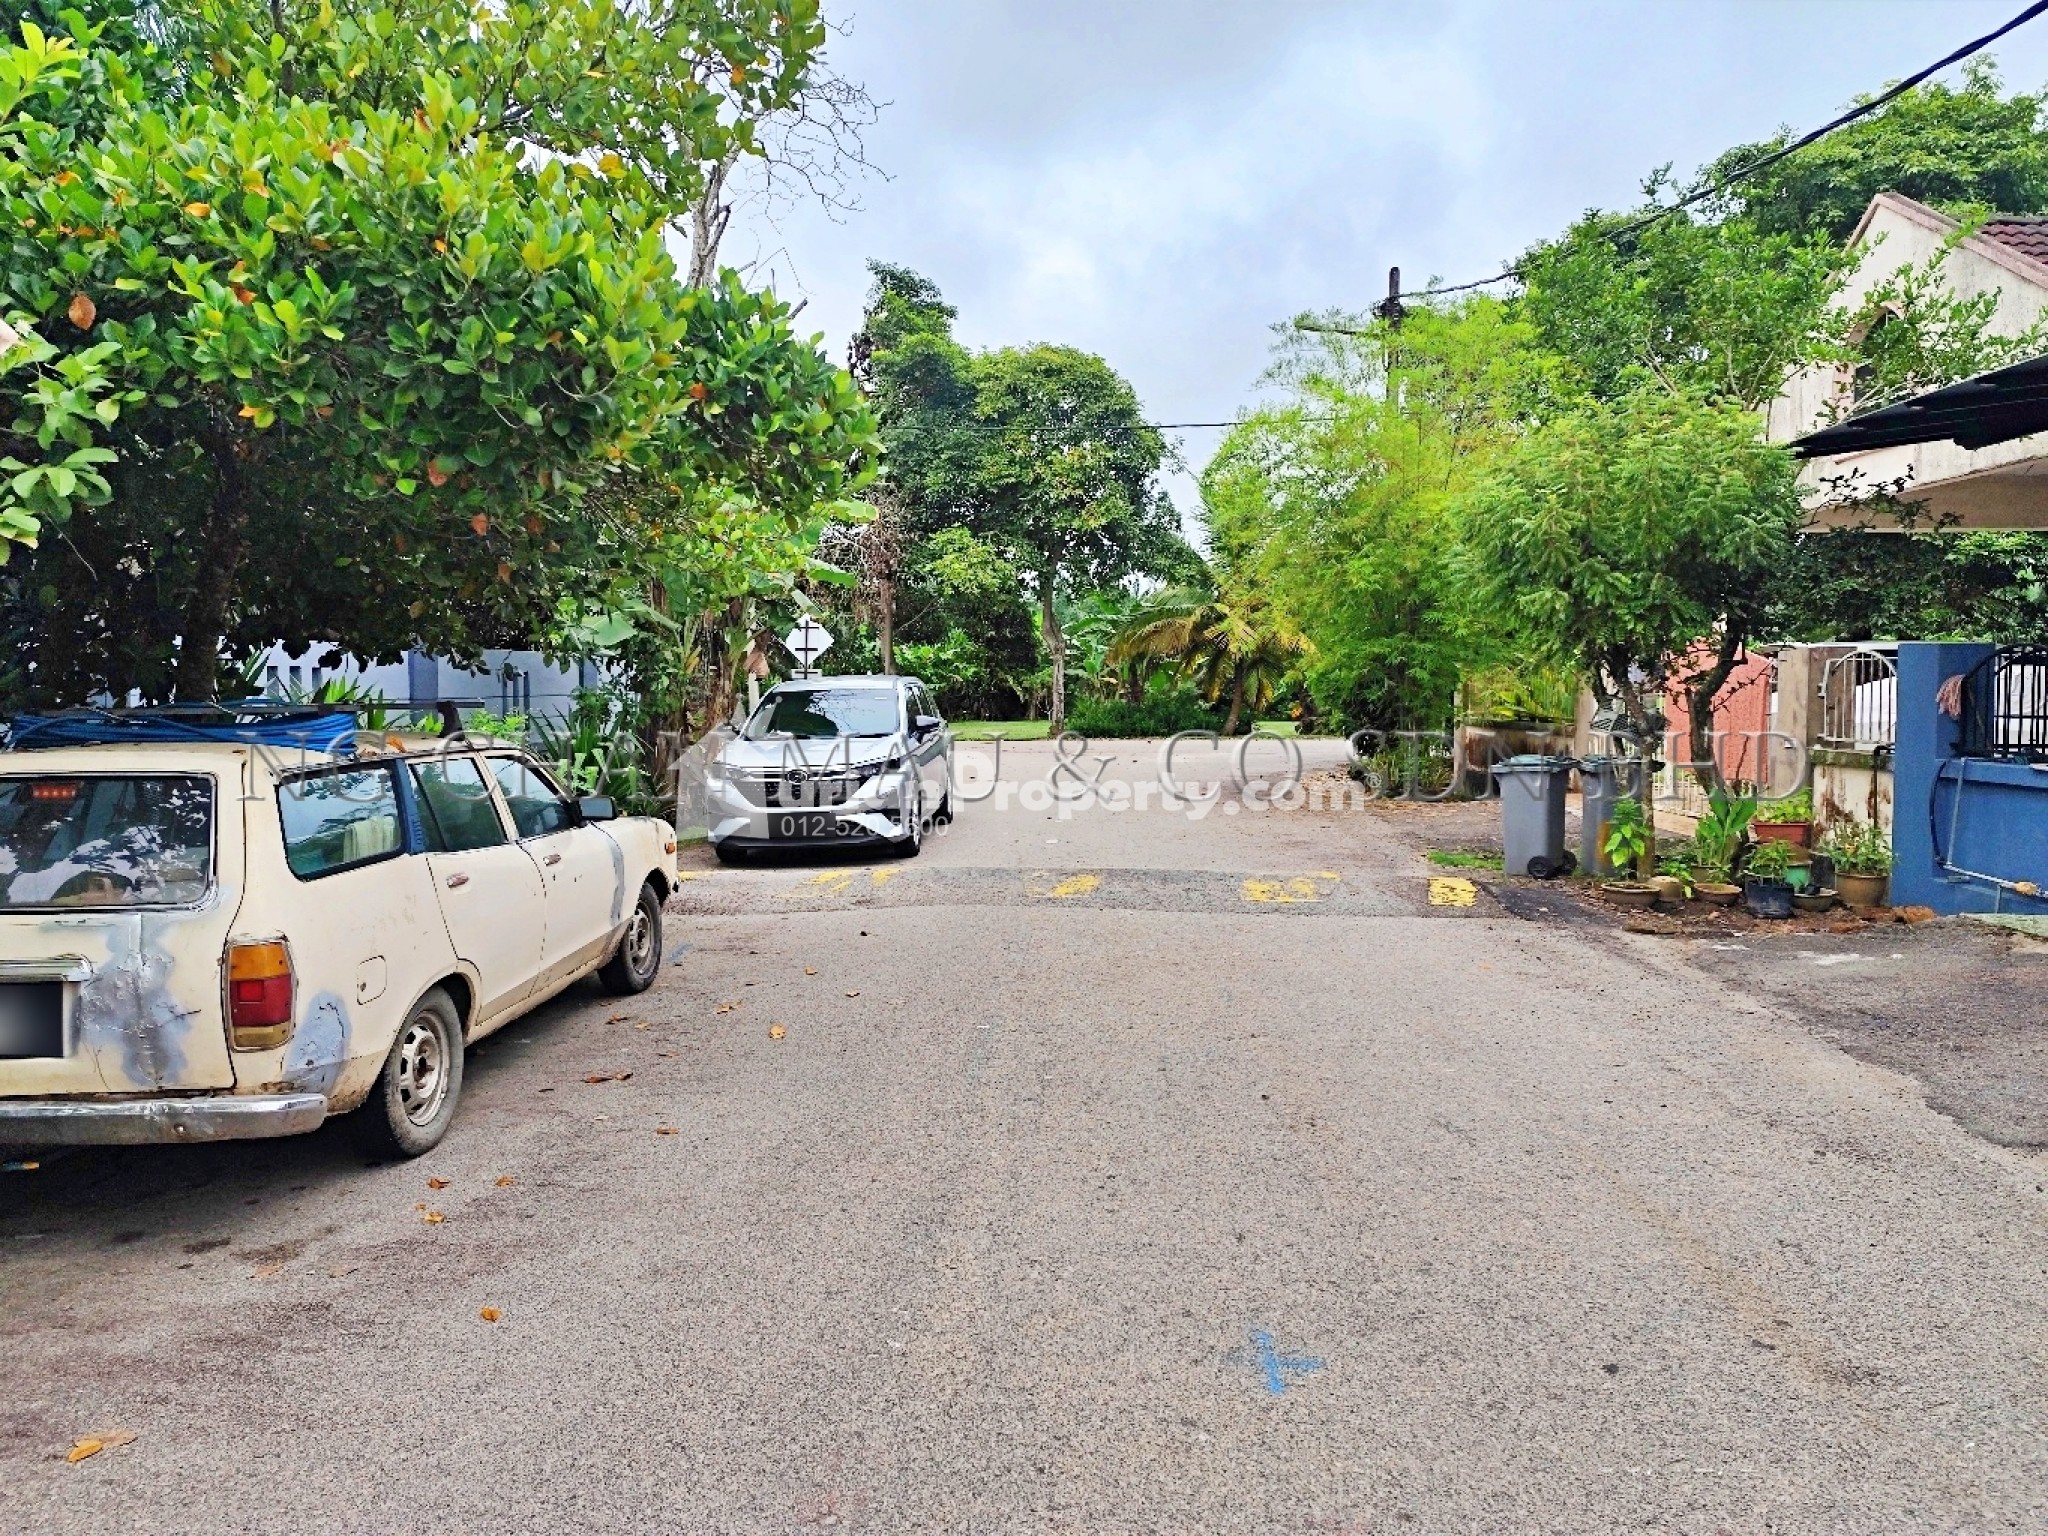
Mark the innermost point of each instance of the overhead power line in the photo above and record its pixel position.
(1862, 109)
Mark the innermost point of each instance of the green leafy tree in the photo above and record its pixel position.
(373, 317)
(1717, 308)
(1229, 641)
(1064, 482)
(1342, 505)
(1627, 535)
(1954, 147)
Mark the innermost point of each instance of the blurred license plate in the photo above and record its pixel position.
(31, 1018)
(808, 824)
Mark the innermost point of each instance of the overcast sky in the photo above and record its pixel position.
(1159, 181)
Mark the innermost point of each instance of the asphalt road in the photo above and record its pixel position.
(1120, 1172)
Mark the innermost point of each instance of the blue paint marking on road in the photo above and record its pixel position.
(677, 953)
(1279, 1368)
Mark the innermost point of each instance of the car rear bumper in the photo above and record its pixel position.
(134, 1122)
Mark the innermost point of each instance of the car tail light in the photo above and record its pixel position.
(259, 995)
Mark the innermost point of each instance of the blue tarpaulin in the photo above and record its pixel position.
(307, 730)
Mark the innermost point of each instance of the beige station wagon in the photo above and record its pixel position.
(215, 939)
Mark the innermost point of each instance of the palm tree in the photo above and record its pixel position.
(1226, 640)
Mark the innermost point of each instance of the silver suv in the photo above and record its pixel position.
(832, 761)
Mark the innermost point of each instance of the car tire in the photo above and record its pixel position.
(729, 855)
(413, 1102)
(943, 816)
(911, 844)
(638, 960)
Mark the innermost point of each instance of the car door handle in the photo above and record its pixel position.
(553, 858)
(456, 881)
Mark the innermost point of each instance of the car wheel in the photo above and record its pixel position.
(912, 843)
(632, 969)
(410, 1108)
(943, 816)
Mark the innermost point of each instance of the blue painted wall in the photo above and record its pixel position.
(1990, 818)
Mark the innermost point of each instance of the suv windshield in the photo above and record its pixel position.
(826, 712)
(127, 840)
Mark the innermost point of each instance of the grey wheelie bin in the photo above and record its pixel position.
(1603, 780)
(1532, 815)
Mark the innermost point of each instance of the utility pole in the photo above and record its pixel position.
(1391, 309)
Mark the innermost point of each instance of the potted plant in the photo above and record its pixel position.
(1626, 843)
(1810, 899)
(1765, 889)
(1788, 820)
(1863, 862)
(1715, 842)
(1673, 881)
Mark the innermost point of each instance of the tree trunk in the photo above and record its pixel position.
(885, 621)
(1699, 702)
(1236, 702)
(1134, 685)
(1056, 648)
(205, 623)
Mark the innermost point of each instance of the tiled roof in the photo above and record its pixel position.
(2028, 236)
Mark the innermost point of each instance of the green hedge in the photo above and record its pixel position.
(1155, 717)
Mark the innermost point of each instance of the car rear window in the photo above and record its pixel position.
(105, 840)
(335, 821)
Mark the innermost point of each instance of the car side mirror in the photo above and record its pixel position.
(596, 808)
(926, 724)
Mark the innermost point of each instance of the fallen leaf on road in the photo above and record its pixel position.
(437, 1183)
(607, 1077)
(642, 1025)
(340, 1270)
(267, 1271)
(433, 1218)
(506, 1181)
(664, 1130)
(489, 1314)
(726, 1007)
(853, 994)
(776, 1031)
(618, 1018)
(810, 970)
(419, 1205)
(92, 1445)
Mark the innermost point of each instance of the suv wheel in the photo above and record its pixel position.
(912, 843)
(413, 1103)
(633, 968)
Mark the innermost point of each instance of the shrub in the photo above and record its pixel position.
(1160, 716)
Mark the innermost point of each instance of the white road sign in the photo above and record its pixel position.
(807, 642)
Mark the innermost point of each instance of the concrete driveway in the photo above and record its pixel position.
(1114, 1172)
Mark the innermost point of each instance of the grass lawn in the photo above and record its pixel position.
(1460, 858)
(1009, 730)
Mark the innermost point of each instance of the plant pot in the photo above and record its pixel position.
(1797, 833)
(1862, 890)
(1670, 890)
(1626, 893)
(1813, 901)
(1718, 895)
(1767, 898)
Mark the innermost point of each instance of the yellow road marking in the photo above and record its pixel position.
(1284, 893)
(883, 876)
(831, 882)
(695, 874)
(1074, 885)
(1287, 893)
(1450, 891)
